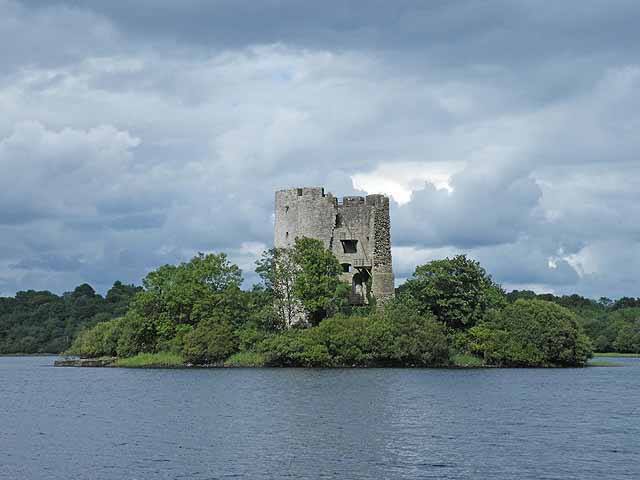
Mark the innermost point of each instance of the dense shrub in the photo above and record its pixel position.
(417, 339)
(531, 333)
(399, 337)
(210, 343)
(101, 340)
(138, 335)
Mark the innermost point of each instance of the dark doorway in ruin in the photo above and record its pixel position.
(360, 286)
(350, 246)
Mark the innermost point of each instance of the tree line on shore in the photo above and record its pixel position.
(43, 322)
(450, 312)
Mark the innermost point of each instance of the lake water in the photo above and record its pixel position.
(92, 423)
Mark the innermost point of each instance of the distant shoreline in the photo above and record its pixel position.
(114, 362)
(618, 355)
(30, 354)
(111, 362)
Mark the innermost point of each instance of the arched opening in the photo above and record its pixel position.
(360, 286)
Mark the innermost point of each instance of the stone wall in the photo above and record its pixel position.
(304, 212)
(383, 282)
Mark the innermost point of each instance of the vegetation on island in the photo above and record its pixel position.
(530, 333)
(449, 313)
(612, 326)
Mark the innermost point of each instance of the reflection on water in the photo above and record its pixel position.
(82, 423)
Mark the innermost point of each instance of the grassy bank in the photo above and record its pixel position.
(618, 355)
(463, 360)
(148, 360)
(246, 359)
(603, 363)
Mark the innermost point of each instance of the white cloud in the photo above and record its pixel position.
(400, 179)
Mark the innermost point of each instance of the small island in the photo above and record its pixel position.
(449, 314)
(326, 299)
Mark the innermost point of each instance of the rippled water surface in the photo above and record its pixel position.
(92, 423)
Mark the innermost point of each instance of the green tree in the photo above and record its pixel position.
(278, 271)
(119, 296)
(625, 325)
(531, 333)
(316, 280)
(184, 292)
(458, 291)
(42, 322)
(302, 281)
(628, 339)
(205, 288)
(626, 302)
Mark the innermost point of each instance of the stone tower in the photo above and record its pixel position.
(355, 229)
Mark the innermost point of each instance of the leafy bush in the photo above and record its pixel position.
(138, 335)
(397, 337)
(101, 340)
(531, 333)
(293, 348)
(418, 339)
(210, 343)
(458, 291)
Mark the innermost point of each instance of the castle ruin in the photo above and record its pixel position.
(355, 229)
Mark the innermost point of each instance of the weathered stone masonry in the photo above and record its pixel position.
(355, 229)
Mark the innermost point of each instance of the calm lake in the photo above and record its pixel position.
(92, 423)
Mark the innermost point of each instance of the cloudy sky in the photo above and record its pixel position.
(133, 136)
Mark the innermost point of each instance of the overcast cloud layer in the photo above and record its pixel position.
(136, 136)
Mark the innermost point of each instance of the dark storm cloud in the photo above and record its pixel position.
(458, 31)
(133, 136)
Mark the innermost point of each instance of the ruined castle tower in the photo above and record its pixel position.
(355, 229)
